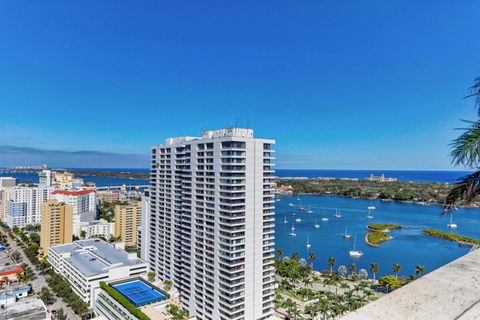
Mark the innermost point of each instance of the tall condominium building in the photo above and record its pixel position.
(128, 218)
(83, 202)
(143, 233)
(212, 222)
(25, 205)
(57, 223)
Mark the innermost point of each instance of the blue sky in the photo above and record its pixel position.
(338, 84)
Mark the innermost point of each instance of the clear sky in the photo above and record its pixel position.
(339, 84)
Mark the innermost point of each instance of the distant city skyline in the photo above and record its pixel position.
(339, 85)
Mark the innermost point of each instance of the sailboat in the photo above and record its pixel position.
(298, 220)
(301, 207)
(285, 219)
(452, 224)
(309, 210)
(308, 242)
(277, 200)
(290, 204)
(371, 206)
(346, 235)
(337, 214)
(292, 233)
(298, 198)
(324, 216)
(316, 225)
(355, 252)
(369, 215)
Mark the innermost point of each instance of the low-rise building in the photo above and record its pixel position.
(57, 224)
(11, 293)
(85, 263)
(110, 196)
(98, 228)
(109, 307)
(7, 182)
(10, 272)
(26, 309)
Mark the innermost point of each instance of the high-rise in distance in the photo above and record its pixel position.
(212, 222)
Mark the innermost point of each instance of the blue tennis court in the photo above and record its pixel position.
(139, 293)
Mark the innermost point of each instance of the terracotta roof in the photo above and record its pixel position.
(12, 269)
(73, 193)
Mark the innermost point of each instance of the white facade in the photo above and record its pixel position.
(46, 178)
(85, 263)
(32, 198)
(98, 228)
(212, 223)
(143, 238)
(84, 203)
(7, 182)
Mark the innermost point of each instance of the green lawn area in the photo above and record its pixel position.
(377, 237)
(384, 227)
(451, 237)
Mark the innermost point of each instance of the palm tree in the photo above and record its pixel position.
(352, 267)
(466, 152)
(342, 271)
(279, 253)
(396, 269)
(374, 269)
(331, 263)
(295, 256)
(420, 270)
(311, 257)
(5, 280)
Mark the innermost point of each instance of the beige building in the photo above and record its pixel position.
(128, 219)
(57, 224)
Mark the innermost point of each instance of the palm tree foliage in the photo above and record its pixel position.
(466, 152)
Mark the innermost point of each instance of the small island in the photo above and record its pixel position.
(381, 227)
(375, 238)
(452, 237)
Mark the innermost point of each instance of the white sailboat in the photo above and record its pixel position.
(309, 210)
(277, 200)
(285, 219)
(452, 225)
(308, 242)
(337, 214)
(324, 216)
(371, 206)
(346, 235)
(292, 232)
(316, 225)
(290, 204)
(355, 252)
(369, 215)
(298, 220)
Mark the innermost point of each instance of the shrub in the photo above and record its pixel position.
(117, 296)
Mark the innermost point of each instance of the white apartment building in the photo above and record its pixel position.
(85, 263)
(98, 228)
(84, 203)
(212, 223)
(25, 205)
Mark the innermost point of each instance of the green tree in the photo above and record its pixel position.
(374, 269)
(151, 276)
(352, 267)
(420, 270)
(279, 253)
(312, 258)
(396, 269)
(60, 315)
(466, 152)
(390, 282)
(47, 296)
(83, 234)
(295, 256)
(331, 263)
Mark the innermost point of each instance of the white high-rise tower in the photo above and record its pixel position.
(212, 222)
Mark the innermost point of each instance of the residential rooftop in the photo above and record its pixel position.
(93, 256)
(25, 309)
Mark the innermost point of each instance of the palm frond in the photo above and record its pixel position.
(465, 190)
(475, 93)
(466, 148)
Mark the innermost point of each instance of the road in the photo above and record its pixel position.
(41, 281)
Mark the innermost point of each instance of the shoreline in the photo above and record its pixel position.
(376, 245)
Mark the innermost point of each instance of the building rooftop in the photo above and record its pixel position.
(92, 257)
(10, 269)
(73, 193)
(450, 292)
(25, 309)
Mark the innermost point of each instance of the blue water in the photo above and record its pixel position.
(99, 181)
(408, 246)
(402, 175)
